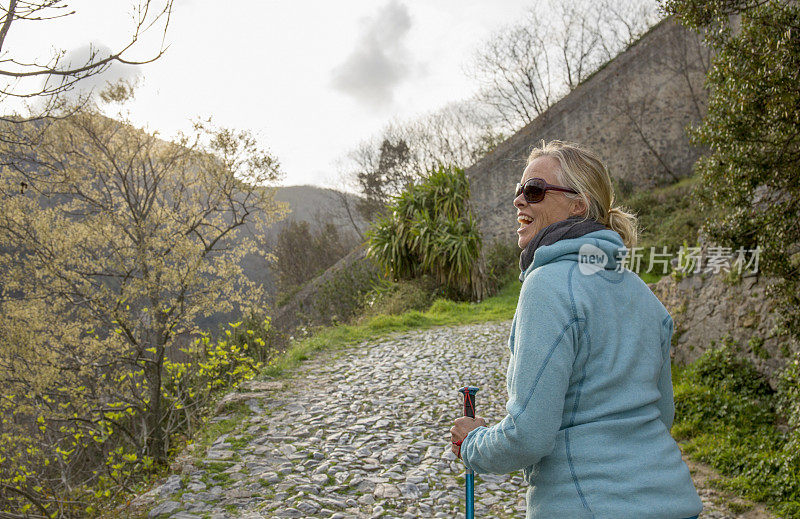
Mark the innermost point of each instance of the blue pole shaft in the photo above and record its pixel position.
(469, 410)
(470, 494)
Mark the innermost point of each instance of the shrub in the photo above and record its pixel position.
(431, 230)
(724, 370)
(750, 180)
(668, 217)
(396, 297)
(502, 263)
(343, 296)
(728, 415)
(59, 456)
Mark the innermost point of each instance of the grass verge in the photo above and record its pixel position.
(727, 414)
(442, 312)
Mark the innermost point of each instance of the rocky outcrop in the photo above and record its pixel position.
(708, 307)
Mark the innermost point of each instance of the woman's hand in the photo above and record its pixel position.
(461, 429)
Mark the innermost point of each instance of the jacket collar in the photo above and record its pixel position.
(598, 250)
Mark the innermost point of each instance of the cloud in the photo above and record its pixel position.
(380, 60)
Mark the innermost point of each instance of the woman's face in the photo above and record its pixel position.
(553, 208)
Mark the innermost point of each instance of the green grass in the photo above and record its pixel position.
(650, 277)
(726, 414)
(668, 215)
(211, 431)
(442, 312)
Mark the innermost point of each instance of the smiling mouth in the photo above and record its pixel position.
(524, 221)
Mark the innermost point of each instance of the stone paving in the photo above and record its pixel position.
(359, 432)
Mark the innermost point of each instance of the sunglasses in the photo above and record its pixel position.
(535, 188)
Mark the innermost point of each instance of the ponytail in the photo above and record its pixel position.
(625, 224)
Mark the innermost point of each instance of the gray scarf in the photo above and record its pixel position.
(572, 227)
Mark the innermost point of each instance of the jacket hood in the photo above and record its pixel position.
(594, 251)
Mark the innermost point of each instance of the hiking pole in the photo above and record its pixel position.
(469, 410)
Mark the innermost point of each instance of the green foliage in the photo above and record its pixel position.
(706, 13)
(750, 182)
(756, 345)
(344, 294)
(59, 436)
(255, 335)
(725, 370)
(789, 392)
(396, 297)
(430, 230)
(502, 264)
(668, 215)
(302, 253)
(728, 415)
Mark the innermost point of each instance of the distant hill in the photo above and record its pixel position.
(314, 204)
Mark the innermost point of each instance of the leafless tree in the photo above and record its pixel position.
(674, 90)
(457, 134)
(516, 74)
(524, 69)
(577, 40)
(624, 22)
(47, 79)
(343, 192)
(689, 58)
(639, 111)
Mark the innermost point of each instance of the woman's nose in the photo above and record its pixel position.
(520, 201)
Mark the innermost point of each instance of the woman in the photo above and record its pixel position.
(590, 401)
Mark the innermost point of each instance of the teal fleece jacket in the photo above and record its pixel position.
(590, 400)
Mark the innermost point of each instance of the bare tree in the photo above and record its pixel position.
(576, 36)
(624, 22)
(689, 58)
(516, 74)
(674, 92)
(457, 135)
(49, 78)
(524, 69)
(343, 192)
(639, 110)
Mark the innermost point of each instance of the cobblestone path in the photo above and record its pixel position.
(359, 432)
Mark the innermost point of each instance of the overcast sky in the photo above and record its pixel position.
(310, 78)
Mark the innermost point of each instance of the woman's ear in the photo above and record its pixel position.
(578, 207)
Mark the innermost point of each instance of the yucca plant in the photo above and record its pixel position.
(429, 229)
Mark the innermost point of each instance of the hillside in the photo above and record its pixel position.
(311, 204)
(308, 204)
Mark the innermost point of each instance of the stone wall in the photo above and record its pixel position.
(633, 112)
(707, 307)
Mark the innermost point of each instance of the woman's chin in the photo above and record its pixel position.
(526, 235)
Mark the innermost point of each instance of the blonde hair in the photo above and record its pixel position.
(582, 170)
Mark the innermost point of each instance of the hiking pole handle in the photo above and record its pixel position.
(469, 400)
(469, 410)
